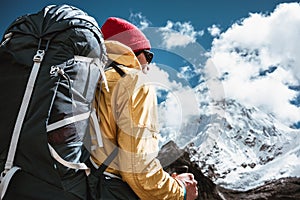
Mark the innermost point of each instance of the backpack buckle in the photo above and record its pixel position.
(39, 56)
(2, 175)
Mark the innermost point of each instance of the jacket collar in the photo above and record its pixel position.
(121, 54)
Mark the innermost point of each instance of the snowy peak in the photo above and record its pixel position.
(237, 145)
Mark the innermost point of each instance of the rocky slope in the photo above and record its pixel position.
(282, 188)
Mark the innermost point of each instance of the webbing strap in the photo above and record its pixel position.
(106, 162)
(5, 181)
(71, 165)
(98, 170)
(22, 112)
(83, 58)
(68, 121)
(97, 128)
(98, 63)
(118, 69)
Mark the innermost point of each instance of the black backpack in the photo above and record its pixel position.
(50, 64)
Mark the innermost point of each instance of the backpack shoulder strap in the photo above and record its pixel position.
(23, 109)
(116, 67)
(9, 170)
(98, 171)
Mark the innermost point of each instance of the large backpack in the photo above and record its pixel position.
(50, 64)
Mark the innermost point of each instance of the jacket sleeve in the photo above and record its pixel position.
(135, 111)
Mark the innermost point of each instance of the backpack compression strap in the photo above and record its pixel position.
(66, 121)
(81, 166)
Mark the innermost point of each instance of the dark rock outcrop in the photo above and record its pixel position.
(178, 160)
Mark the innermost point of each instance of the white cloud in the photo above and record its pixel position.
(251, 48)
(180, 103)
(183, 94)
(139, 20)
(179, 34)
(186, 72)
(214, 30)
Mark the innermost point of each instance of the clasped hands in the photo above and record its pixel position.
(190, 184)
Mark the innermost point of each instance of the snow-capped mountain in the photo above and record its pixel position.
(241, 147)
(248, 95)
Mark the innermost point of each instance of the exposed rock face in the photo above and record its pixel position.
(284, 188)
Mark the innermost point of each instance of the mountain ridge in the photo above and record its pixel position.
(241, 147)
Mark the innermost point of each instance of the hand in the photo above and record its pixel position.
(190, 184)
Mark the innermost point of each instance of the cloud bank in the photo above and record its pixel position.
(258, 61)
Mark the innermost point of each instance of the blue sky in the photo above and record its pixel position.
(201, 14)
(241, 49)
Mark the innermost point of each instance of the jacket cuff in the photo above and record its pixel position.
(183, 187)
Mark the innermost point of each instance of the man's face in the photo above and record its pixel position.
(145, 57)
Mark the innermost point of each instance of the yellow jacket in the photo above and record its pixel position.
(128, 118)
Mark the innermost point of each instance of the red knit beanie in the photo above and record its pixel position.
(126, 33)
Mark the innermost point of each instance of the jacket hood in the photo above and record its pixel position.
(121, 54)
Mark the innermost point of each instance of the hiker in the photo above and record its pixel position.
(128, 121)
